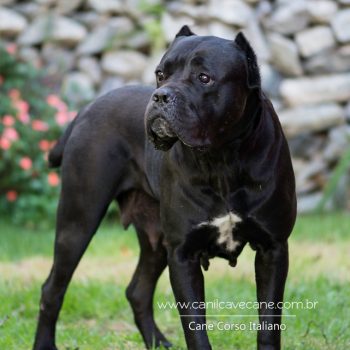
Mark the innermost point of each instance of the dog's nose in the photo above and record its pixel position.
(162, 95)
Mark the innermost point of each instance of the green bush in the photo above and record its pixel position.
(30, 122)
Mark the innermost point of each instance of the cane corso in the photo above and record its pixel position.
(199, 166)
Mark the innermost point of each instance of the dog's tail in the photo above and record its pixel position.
(56, 154)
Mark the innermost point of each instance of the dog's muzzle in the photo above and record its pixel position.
(162, 128)
(160, 133)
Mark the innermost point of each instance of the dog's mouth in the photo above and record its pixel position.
(162, 128)
(161, 133)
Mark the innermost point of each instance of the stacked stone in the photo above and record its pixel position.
(303, 46)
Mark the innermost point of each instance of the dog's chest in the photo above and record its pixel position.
(225, 226)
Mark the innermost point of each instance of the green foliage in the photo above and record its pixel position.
(30, 122)
(153, 27)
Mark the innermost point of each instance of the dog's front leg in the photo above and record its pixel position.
(188, 286)
(271, 268)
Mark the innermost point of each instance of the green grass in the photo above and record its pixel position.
(97, 316)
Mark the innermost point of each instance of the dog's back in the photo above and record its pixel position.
(116, 106)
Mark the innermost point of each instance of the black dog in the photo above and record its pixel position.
(212, 174)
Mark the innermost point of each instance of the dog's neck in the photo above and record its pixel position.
(244, 128)
(240, 134)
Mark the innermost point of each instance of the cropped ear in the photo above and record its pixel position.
(184, 31)
(254, 80)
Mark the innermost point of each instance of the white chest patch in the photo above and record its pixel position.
(225, 225)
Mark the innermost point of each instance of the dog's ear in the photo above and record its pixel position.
(254, 80)
(184, 31)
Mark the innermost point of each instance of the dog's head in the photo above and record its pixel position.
(203, 83)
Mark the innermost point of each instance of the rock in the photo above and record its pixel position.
(333, 61)
(347, 112)
(46, 2)
(67, 31)
(257, 40)
(90, 19)
(289, 18)
(180, 9)
(234, 12)
(67, 6)
(106, 6)
(310, 169)
(344, 2)
(341, 25)
(104, 36)
(306, 145)
(318, 89)
(35, 33)
(6, 2)
(263, 9)
(108, 36)
(314, 40)
(311, 118)
(78, 89)
(96, 41)
(29, 10)
(11, 23)
(270, 80)
(58, 61)
(171, 25)
(338, 141)
(221, 30)
(306, 185)
(148, 76)
(321, 11)
(126, 64)
(110, 84)
(91, 68)
(285, 55)
(308, 203)
(298, 165)
(139, 41)
(53, 28)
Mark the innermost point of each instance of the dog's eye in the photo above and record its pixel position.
(204, 78)
(160, 76)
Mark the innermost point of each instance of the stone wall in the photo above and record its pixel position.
(89, 47)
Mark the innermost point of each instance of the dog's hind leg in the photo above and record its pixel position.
(87, 190)
(140, 291)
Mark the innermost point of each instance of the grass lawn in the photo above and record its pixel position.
(97, 316)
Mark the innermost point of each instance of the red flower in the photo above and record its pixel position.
(44, 145)
(5, 144)
(22, 106)
(39, 125)
(11, 48)
(55, 101)
(8, 120)
(53, 179)
(11, 196)
(25, 163)
(62, 118)
(10, 134)
(24, 118)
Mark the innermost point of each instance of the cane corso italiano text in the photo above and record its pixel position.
(199, 166)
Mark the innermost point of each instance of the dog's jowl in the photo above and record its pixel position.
(199, 166)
